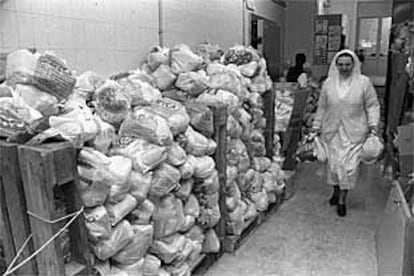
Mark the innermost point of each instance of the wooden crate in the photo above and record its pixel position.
(42, 168)
(14, 224)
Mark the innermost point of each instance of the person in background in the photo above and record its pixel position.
(295, 71)
(348, 112)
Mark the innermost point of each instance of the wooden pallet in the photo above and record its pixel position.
(233, 242)
(204, 263)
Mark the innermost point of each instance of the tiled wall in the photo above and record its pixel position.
(109, 36)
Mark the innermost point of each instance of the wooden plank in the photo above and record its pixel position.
(80, 251)
(220, 136)
(269, 114)
(14, 206)
(37, 170)
(234, 242)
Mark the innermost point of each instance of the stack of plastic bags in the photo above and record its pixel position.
(311, 107)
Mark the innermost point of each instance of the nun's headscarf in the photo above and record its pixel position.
(333, 74)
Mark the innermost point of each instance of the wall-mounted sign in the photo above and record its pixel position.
(327, 37)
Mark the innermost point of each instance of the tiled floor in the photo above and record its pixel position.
(306, 237)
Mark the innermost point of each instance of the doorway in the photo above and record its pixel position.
(265, 36)
(372, 43)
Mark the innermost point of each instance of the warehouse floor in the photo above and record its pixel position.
(306, 237)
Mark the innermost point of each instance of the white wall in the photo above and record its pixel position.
(109, 36)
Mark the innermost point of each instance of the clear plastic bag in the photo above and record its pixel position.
(165, 179)
(140, 185)
(136, 249)
(121, 209)
(168, 249)
(97, 223)
(168, 217)
(194, 83)
(142, 214)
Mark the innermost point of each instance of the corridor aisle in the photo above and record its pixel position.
(305, 237)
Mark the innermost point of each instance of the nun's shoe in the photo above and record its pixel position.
(334, 200)
(341, 210)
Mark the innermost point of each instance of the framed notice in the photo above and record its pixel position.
(327, 37)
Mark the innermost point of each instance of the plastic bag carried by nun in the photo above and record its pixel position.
(169, 248)
(204, 166)
(173, 112)
(371, 149)
(176, 155)
(151, 265)
(118, 211)
(184, 60)
(168, 216)
(148, 126)
(142, 214)
(165, 179)
(194, 83)
(145, 156)
(112, 105)
(198, 144)
(163, 77)
(136, 249)
(97, 223)
(121, 235)
(211, 242)
(201, 118)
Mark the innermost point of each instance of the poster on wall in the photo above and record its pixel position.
(327, 37)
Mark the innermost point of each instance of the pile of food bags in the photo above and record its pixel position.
(311, 107)
(237, 78)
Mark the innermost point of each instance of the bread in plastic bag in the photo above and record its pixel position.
(97, 223)
(233, 190)
(163, 77)
(188, 222)
(120, 168)
(260, 199)
(201, 118)
(176, 155)
(235, 224)
(261, 164)
(256, 184)
(198, 144)
(196, 253)
(186, 186)
(94, 185)
(121, 235)
(219, 96)
(209, 216)
(168, 249)
(245, 179)
(104, 137)
(184, 60)
(140, 184)
(151, 265)
(194, 83)
(196, 234)
(165, 179)
(231, 203)
(215, 68)
(112, 105)
(234, 129)
(172, 111)
(157, 55)
(227, 81)
(209, 185)
(93, 158)
(192, 207)
(145, 156)
(86, 84)
(136, 249)
(138, 91)
(248, 69)
(231, 174)
(41, 101)
(148, 126)
(134, 269)
(209, 52)
(187, 169)
(21, 62)
(142, 214)
(78, 125)
(168, 216)
(211, 242)
(121, 209)
(251, 211)
(204, 166)
(176, 95)
(269, 181)
(180, 269)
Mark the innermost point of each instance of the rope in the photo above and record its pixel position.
(74, 216)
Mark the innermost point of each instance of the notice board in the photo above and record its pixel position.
(327, 37)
